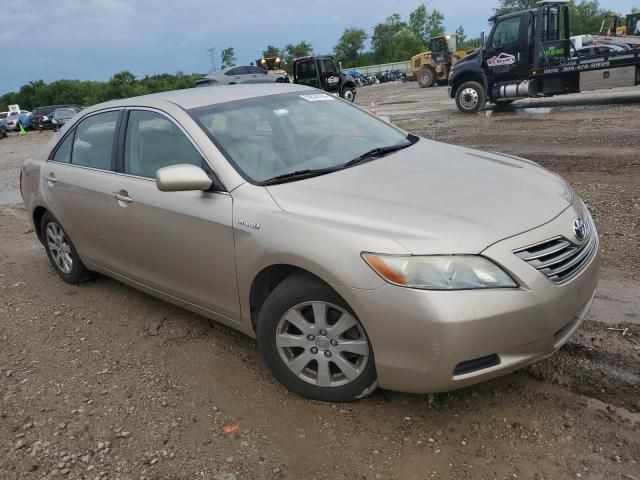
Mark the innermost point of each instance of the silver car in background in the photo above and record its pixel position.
(357, 254)
(239, 75)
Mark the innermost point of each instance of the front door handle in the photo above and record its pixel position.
(51, 178)
(122, 196)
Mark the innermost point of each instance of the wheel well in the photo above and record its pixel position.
(265, 282)
(466, 77)
(37, 218)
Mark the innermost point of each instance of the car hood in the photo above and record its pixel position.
(432, 198)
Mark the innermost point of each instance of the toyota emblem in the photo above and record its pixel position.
(579, 228)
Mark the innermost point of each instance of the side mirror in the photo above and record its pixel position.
(182, 178)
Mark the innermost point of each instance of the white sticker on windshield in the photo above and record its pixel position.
(317, 97)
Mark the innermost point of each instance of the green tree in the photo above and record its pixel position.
(394, 40)
(350, 45)
(462, 37)
(509, 6)
(272, 51)
(406, 44)
(384, 35)
(228, 57)
(123, 84)
(426, 24)
(586, 17)
(297, 50)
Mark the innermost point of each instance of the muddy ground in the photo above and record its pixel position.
(102, 381)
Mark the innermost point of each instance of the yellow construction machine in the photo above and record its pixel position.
(433, 66)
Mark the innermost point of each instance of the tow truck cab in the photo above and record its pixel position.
(527, 54)
(323, 73)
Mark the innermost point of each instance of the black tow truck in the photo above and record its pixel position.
(529, 54)
(324, 73)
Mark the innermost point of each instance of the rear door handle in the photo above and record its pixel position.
(122, 196)
(51, 178)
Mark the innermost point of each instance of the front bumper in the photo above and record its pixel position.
(421, 337)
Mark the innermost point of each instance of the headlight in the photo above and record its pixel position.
(439, 272)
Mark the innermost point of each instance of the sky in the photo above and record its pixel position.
(93, 39)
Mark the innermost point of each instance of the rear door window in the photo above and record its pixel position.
(94, 139)
(63, 153)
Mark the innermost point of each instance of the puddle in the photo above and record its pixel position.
(508, 110)
(399, 102)
(10, 197)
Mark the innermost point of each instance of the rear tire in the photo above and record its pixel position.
(471, 97)
(426, 77)
(313, 343)
(61, 251)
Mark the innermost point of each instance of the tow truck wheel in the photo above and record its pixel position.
(426, 77)
(349, 94)
(470, 97)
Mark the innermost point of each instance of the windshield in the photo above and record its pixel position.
(266, 137)
(64, 113)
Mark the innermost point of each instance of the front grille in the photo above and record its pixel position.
(559, 259)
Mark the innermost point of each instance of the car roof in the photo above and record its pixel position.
(202, 96)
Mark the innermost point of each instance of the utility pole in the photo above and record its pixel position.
(212, 53)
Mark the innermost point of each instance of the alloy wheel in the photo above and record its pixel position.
(59, 247)
(322, 344)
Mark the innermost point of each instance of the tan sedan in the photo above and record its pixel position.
(358, 255)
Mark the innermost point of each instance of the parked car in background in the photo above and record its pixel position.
(239, 75)
(12, 119)
(60, 116)
(601, 49)
(359, 255)
(40, 116)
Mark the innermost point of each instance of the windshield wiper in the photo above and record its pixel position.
(309, 173)
(375, 153)
(297, 175)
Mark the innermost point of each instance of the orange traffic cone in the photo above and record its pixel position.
(373, 108)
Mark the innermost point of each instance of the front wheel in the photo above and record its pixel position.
(471, 97)
(426, 77)
(313, 343)
(349, 94)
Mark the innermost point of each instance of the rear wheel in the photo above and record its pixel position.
(470, 97)
(313, 343)
(61, 252)
(426, 77)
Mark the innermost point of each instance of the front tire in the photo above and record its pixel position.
(470, 97)
(349, 94)
(426, 77)
(61, 251)
(313, 343)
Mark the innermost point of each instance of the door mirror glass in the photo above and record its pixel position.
(182, 178)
